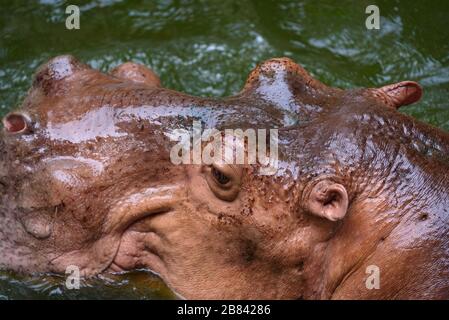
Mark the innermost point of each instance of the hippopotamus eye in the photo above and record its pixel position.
(224, 180)
(220, 176)
(15, 122)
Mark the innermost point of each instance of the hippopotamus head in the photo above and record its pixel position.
(88, 180)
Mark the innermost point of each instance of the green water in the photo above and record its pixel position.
(132, 285)
(207, 48)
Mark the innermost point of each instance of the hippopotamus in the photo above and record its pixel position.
(87, 180)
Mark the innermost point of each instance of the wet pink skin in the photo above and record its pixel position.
(87, 180)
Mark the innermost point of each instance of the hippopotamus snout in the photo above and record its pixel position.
(67, 67)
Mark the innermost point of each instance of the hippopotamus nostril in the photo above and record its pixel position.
(55, 70)
(136, 73)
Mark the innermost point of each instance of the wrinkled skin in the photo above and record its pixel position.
(86, 180)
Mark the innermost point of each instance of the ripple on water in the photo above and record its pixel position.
(133, 285)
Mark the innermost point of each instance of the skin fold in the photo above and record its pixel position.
(86, 180)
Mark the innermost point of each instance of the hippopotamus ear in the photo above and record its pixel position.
(287, 86)
(399, 94)
(326, 199)
(136, 73)
(278, 72)
(16, 122)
